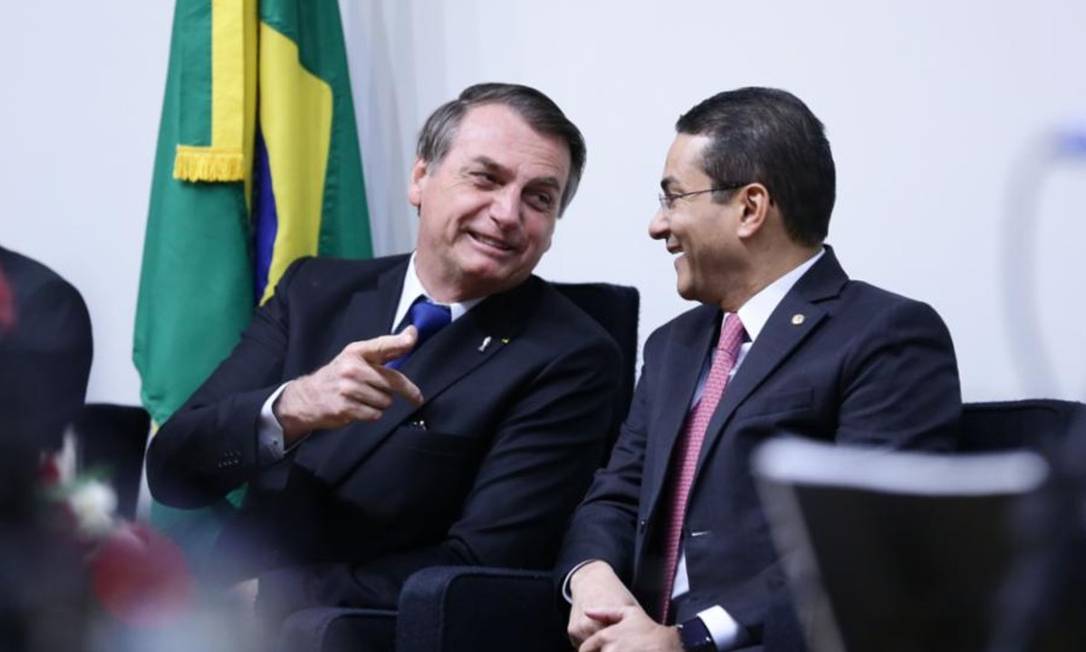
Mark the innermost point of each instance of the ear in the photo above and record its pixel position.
(754, 202)
(418, 182)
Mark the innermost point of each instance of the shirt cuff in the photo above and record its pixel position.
(566, 592)
(722, 627)
(269, 432)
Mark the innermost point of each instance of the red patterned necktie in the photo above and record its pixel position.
(685, 459)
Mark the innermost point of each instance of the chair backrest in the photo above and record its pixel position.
(113, 438)
(616, 309)
(1037, 424)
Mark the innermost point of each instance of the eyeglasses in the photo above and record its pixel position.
(667, 200)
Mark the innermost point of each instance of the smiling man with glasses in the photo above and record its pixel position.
(670, 549)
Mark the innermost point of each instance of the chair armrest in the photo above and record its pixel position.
(451, 608)
(336, 629)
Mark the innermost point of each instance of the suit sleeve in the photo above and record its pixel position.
(542, 457)
(209, 446)
(605, 525)
(900, 387)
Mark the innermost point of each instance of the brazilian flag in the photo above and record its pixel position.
(257, 164)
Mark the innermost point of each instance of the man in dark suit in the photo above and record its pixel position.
(672, 531)
(441, 408)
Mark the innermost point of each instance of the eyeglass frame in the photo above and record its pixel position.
(667, 200)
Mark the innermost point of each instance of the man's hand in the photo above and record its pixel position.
(594, 586)
(629, 629)
(354, 386)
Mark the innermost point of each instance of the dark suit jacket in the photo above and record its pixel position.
(45, 359)
(487, 471)
(864, 367)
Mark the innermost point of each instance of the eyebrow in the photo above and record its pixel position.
(493, 166)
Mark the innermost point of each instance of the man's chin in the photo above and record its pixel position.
(492, 280)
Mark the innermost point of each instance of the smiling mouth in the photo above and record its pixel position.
(492, 243)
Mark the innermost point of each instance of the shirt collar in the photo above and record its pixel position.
(756, 311)
(413, 289)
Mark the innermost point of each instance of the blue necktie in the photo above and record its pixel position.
(428, 317)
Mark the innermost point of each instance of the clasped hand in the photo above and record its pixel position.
(605, 616)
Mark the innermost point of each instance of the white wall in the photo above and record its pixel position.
(82, 87)
(936, 112)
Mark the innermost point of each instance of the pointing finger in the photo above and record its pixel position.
(380, 350)
(401, 384)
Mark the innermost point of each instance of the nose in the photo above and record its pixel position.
(659, 229)
(505, 206)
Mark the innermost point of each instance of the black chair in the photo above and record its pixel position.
(1037, 424)
(473, 608)
(112, 439)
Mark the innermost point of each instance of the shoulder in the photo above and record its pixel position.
(44, 300)
(557, 309)
(694, 320)
(874, 305)
(557, 327)
(309, 268)
(311, 277)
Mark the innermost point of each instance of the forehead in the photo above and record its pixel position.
(499, 133)
(684, 160)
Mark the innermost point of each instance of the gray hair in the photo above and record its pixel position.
(538, 110)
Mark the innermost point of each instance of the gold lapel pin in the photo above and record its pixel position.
(797, 319)
(505, 340)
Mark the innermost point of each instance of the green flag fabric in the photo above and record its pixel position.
(257, 164)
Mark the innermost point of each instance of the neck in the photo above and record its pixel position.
(763, 270)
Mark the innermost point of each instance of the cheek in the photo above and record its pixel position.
(543, 234)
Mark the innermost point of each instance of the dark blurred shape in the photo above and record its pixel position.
(894, 551)
(111, 440)
(937, 568)
(1037, 424)
(1043, 604)
(45, 355)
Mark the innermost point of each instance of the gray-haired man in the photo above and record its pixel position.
(445, 407)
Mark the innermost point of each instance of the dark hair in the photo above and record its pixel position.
(538, 110)
(769, 136)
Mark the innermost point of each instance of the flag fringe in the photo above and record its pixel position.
(208, 164)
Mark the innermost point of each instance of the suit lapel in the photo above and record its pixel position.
(369, 314)
(780, 336)
(372, 309)
(682, 364)
(449, 355)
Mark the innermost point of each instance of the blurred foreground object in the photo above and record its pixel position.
(894, 551)
(1043, 604)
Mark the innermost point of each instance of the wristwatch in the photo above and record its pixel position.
(695, 637)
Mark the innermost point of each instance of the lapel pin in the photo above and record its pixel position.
(505, 340)
(486, 343)
(797, 319)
